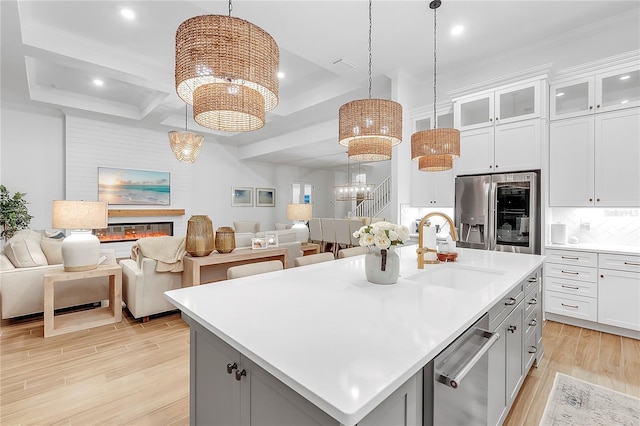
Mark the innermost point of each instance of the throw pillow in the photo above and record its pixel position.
(25, 253)
(25, 234)
(5, 263)
(52, 249)
(58, 235)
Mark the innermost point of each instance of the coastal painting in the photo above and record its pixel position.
(127, 186)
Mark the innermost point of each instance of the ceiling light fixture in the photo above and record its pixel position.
(369, 128)
(227, 69)
(127, 14)
(356, 191)
(458, 29)
(185, 145)
(98, 82)
(280, 74)
(435, 149)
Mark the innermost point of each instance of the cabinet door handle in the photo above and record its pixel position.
(496, 166)
(497, 118)
(597, 106)
(491, 119)
(632, 263)
(533, 301)
(598, 200)
(533, 323)
(239, 374)
(570, 258)
(231, 367)
(569, 272)
(601, 275)
(511, 301)
(512, 328)
(533, 280)
(590, 199)
(590, 106)
(567, 306)
(533, 349)
(571, 287)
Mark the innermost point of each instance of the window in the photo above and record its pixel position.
(301, 193)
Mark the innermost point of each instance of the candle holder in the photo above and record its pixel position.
(225, 239)
(200, 240)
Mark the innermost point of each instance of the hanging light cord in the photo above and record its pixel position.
(230, 8)
(434, 5)
(370, 55)
(185, 118)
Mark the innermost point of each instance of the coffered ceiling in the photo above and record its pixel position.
(53, 50)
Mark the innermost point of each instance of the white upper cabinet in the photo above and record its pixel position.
(607, 91)
(504, 105)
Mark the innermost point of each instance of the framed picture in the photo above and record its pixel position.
(272, 239)
(265, 197)
(241, 197)
(128, 186)
(258, 243)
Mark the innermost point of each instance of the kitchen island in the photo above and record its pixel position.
(323, 339)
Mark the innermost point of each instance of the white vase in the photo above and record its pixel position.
(382, 266)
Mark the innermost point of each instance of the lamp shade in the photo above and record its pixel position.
(300, 212)
(79, 214)
(233, 58)
(435, 149)
(81, 249)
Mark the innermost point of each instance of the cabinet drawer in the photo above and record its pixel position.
(531, 303)
(585, 308)
(572, 272)
(530, 350)
(620, 262)
(580, 288)
(533, 283)
(569, 257)
(500, 310)
(532, 323)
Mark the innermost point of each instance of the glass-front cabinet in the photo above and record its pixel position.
(504, 105)
(609, 91)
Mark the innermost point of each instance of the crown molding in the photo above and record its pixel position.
(593, 67)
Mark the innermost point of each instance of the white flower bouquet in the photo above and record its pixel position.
(382, 235)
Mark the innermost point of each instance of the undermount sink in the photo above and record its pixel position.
(457, 277)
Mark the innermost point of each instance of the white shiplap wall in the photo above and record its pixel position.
(91, 144)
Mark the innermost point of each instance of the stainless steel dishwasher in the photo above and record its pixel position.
(461, 377)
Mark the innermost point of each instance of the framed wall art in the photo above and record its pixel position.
(265, 197)
(241, 197)
(129, 186)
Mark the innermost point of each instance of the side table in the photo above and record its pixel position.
(73, 321)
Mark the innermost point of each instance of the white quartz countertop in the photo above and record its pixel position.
(599, 248)
(341, 342)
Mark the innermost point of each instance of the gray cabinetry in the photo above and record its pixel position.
(229, 389)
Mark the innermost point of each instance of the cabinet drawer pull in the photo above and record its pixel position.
(533, 280)
(511, 301)
(533, 323)
(533, 349)
(570, 272)
(632, 263)
(231, 367)
(512, 328)
(570, 258)
(571, 287)
(239, 374)
(533, 301)
(570, 306)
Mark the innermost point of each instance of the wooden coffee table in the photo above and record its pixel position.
(81, 320)
(212, 268)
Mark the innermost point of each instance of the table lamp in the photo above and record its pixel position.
(81, 249)
(300, 214)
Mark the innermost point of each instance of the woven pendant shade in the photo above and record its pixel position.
(222, 49)
(435, 142)
(185, 145)
(370, 149)
(228, 107)
(435, 163)
(376, 124)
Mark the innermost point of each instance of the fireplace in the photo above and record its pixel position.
(118, 232)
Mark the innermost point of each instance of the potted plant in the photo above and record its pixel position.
(14, 214)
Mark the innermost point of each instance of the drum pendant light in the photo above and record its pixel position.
(227, 69)
(369, 128)
(435, 149)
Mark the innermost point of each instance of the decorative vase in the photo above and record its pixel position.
(382, 266)
(225, 239)
(200, 240)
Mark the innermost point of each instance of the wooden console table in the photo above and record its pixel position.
(81, 320)
(206, 269)
(310, 248)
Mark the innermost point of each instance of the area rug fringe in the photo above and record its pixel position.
(576, 402)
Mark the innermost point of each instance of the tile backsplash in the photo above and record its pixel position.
(600, 225)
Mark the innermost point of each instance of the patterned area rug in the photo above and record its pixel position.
(576, 402)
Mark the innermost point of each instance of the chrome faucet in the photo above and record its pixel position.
(421, 250)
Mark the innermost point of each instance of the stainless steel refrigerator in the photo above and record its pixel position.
(498, 212)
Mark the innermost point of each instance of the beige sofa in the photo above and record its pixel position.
(24, 261)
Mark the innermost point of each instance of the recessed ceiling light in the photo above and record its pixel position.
(625, 77)
(625, 101)
(127, 14)
(559, 94)
(280, 74)
(98, 82)
(458, 29)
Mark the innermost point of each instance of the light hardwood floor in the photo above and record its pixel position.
(134, 373)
